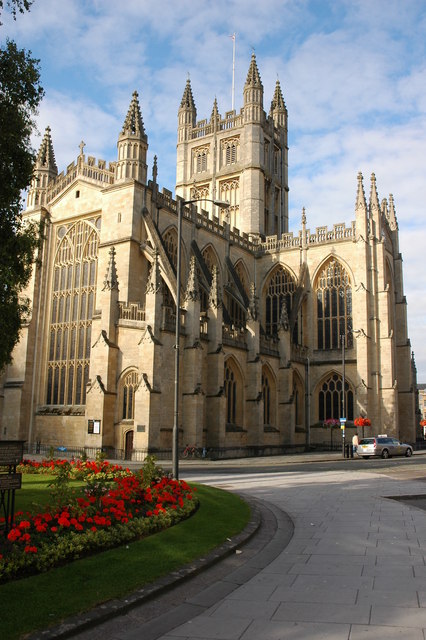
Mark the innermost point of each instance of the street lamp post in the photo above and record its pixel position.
(343, 416)
(175, 443)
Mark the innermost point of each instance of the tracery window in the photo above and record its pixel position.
(266, 394)
(130, 385)
(279, 288)
(230, 192)
(73, 296)
(233, 393)
(268, 397)
(334, 306)
(330, 399)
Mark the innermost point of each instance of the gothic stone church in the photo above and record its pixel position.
(279, 331)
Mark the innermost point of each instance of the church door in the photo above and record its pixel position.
(129, 446)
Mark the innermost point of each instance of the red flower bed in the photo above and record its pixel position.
(128, 500)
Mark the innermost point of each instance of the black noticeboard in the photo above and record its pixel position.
(11, 452)
(10, 481)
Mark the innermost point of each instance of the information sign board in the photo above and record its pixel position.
(11, 452)
(10, 481)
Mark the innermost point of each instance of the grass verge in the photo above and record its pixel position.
(37, 602)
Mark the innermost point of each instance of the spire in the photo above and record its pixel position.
(45, 170)
(393, 223)
(253, 94)
(46, 156)
(278, 110)
(361, 212)
(361, 203)
(304, 238)
(215, 111)
(253, 76)
(187, 101)
(132, 146)
(133, 124)
(111, 281)
(187, 115)
(374, 206)
(192, 289)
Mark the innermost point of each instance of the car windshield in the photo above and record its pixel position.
(367, 441)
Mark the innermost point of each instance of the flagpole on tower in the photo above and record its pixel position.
(233, 70)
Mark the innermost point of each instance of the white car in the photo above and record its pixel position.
(384, 447)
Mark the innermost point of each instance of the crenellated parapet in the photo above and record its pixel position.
(95, 172)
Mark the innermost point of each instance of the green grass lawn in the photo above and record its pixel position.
(36, 602)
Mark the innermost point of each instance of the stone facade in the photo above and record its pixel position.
(273, 324)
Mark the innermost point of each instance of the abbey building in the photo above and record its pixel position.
(280, 332)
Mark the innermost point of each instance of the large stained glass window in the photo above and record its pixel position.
(73, 299)
(334, 306)
(280, 288)
(330, 399)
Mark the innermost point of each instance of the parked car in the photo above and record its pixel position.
(383, 446)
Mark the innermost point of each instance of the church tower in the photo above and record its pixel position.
(240, 158)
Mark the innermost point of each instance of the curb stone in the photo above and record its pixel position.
(104, 612)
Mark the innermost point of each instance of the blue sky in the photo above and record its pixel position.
(353, 75)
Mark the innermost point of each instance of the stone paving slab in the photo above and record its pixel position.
(355, 568)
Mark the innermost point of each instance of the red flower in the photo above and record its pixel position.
(29, 549)
(13, 534)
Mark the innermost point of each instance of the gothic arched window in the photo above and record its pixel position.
(330, 399)
(279, 288)
(73, 296)
(233, 392)
(334, 306)
(130, 384)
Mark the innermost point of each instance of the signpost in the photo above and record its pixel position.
(342, 426)
(11, 454)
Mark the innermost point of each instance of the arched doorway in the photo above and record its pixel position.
(128, 447)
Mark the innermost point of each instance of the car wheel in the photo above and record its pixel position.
(385, 453)
(408, 453)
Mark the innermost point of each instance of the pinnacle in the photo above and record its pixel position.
(215, 110)
(110, 281)
(187, 98)
(133, 123)
(253, 76)
(360, 196)
(46, 155)
(278, 100)
(374, 198)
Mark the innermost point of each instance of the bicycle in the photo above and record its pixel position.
(191, 451)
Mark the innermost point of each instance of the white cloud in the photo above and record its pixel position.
(352, 74)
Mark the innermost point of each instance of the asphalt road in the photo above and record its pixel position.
(408, 468)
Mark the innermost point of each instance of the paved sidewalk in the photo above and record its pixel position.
(354, 569)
